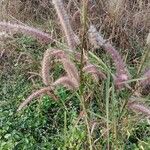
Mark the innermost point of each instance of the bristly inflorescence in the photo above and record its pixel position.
(67, 82)
(31, 31)
(146, 81)
(71, 79)
(48, 55)
(72, 38)
(32, 96)
(71, 70)
(138, 107)
(94, 71)
(97, 40)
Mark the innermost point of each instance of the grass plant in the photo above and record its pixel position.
(86, 100)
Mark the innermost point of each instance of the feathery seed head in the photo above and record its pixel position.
(72, 39)
(66, 81)
(147, 80)
(91, 69)
(35, 33)
(97, 40)
(145, 84)
(32, 96)
(71, 69)
(48, 55)
(135, 106)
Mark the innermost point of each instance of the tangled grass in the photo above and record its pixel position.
(77, 61)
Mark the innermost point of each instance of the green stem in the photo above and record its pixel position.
(107, 108)
(86, 121)
(83, 42)
(144, 59)
(83, 50)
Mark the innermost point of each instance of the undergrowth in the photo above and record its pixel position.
(89, 94)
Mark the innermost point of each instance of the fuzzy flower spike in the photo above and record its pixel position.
(145, 84)
(31, 31)
(71, 37)
(97, 40)
(136, 106)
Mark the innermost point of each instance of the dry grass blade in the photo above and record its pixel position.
(31, 31)
(32, 96)
(148, 40)
(97, 40)
(66, 82)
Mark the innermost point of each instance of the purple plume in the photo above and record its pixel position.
(97, 40)
(31, 31)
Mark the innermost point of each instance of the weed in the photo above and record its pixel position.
(83, 104)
